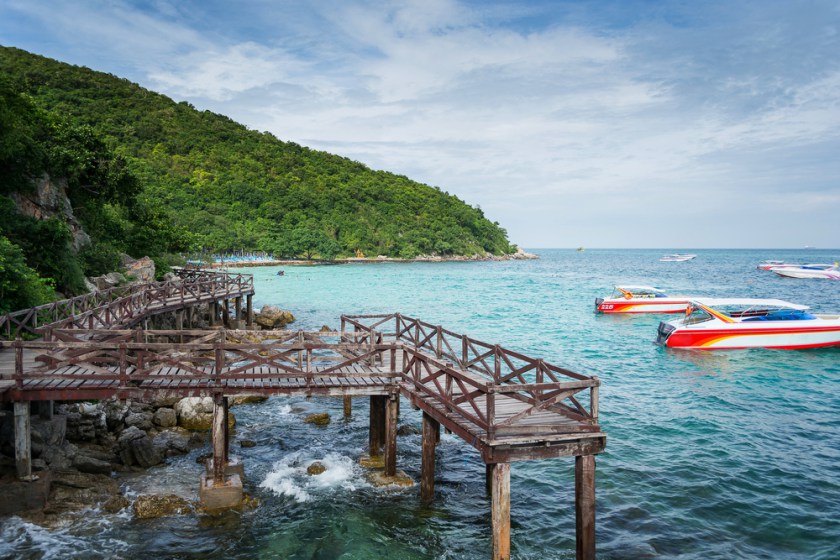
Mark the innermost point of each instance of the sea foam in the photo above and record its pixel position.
(289, 477)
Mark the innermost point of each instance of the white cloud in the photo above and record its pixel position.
(220, 75)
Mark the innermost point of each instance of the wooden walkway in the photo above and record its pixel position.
(510, 407)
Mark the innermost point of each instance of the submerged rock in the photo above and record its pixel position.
(316, 468)
(319, 419)
(150, 507)
(408, 430)
(399, 480)
(115, 504)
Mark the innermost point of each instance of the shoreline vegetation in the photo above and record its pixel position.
(519, 255)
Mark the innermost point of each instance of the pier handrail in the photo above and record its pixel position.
(114, 306)
(465, 375)
(132, 356)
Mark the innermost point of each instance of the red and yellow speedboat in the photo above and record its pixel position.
(711, 324)
(640, 299)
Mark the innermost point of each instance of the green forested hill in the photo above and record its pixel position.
(223, 187)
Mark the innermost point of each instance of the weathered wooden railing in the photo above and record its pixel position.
(117, 306)
(131, 357)
(466, 376)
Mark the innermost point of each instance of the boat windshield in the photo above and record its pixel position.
(696, 315)
(637, 292)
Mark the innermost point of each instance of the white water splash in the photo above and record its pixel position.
(289, 478)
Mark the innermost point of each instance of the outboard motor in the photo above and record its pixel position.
(664, 331)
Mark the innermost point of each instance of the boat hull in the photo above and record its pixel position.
(807, 273)
(783, 337)
(650, 305)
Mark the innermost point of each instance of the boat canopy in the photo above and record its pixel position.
(638, 292)
(749, 303)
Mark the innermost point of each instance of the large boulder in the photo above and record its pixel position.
(165, 418)
(272, 317)
(142, 270)
(135, 447)
(196, 413)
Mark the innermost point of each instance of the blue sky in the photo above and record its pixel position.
(602, 124)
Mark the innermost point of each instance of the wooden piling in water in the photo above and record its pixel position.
(348, 406)
(219, 438)
(500, 511)
(376, 434)
(431, 432)
(391, 413)
(585, 506)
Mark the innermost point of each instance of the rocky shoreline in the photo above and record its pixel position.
(79, 453)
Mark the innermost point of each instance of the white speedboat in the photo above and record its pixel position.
(641, 299)
(677, 257)
(769, 265)
(829, 271)
(711, 324)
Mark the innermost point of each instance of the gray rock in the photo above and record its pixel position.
(141, 420)
(165, 418)
(172, 442)
(86, 464)
(135, 447)
(115, 413)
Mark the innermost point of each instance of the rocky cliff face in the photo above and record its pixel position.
(49, 200)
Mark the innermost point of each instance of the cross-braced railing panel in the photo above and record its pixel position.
(131, 357)
(125, 304)
(514, 392)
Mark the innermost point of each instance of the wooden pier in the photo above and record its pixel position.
(509, 407)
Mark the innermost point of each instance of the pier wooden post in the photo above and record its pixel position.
(226, 313)
(238, 309)
(391, 413)
(585, 506)
(213, 312)
(219, 437)
(431, 431)
(249, 312)
(377, 425)
(500, 511)
(23, 441)
(348, 406)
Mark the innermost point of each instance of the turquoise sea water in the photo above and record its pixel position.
(727, 454)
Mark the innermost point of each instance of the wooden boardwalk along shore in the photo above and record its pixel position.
(506, 405)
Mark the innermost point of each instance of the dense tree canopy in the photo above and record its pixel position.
(232, 188)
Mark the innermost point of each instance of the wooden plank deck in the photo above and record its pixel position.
(535, 434)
